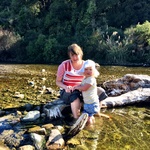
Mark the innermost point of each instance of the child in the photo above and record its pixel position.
(89, 91)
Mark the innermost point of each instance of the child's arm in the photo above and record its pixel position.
(84, 87)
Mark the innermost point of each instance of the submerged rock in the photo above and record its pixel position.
(4, 126)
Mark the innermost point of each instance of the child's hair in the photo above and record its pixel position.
(91, 63)
(75, 49)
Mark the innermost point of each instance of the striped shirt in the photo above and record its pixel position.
(70, 76)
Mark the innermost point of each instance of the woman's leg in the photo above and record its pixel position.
(75, 107)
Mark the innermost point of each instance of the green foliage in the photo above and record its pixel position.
(35, 49)
(50, 54)
(143, 32)
(139, 46)
(123, 14)
(47, 27)
(116, 47)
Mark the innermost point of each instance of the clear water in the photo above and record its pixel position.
(128, 128)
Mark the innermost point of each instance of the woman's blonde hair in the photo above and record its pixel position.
(75, 49)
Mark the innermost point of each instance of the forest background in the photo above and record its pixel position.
(114, 32)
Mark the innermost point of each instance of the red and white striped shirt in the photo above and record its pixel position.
(70, 76)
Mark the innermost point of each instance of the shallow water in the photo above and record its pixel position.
(128, 128)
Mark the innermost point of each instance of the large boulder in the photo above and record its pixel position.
(127, 90)
(127, 83)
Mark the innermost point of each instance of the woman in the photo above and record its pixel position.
(70, 74)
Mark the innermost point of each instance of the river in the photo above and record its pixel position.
(128, 128)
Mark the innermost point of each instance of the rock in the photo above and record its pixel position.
(10, 138)
(32, 116)
(79, 125)
(48, 126)
(133, 89)
(3, 146)
(73, 142)
(55, 140)
(32, 83)
(43, 79)
(43, 70)
(38, 130)
(127, 83)
(18, 95)
(38, 140)
(2, 113)
(4, 126)
(27, 147)
(49, 90)
(28, 107)
(60, 128)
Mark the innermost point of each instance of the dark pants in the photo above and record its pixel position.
(68, 98)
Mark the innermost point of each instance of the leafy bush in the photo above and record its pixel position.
(139, 43)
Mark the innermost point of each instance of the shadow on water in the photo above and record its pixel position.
(128, 128)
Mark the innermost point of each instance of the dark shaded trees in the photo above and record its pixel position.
(46, 27)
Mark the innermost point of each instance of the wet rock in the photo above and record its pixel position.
(2, 113)
(18, 95)
(73, 142)
(38, 140)
(60, 128)
(48, 126)
(55, 140)
(43, 70)
(127, 83)
(32, 83)
(43, 79)
(4, 126)
(32, 116)
(10, 138)
(49, 90)
(27, 147)
(28, 107)
(19, 113)
(3, 146)
(37, 130)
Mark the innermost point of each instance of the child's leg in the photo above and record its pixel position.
(91, 120)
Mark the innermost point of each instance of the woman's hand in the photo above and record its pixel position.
(69, 89)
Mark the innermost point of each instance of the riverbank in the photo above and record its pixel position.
(102, 64)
